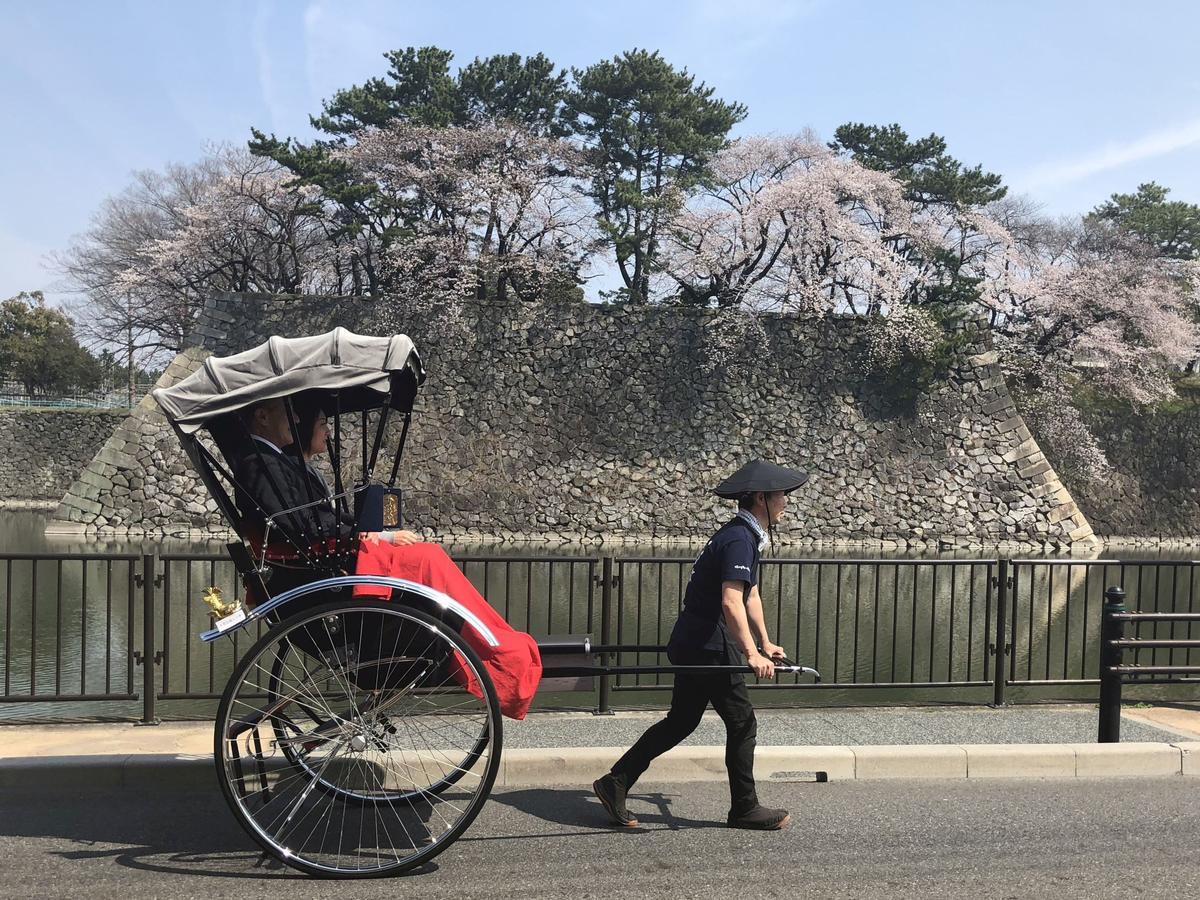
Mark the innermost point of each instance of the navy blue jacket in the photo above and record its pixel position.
(700, 632)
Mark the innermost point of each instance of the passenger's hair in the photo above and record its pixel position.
(308, 410)
(746, 500)
(246, 413)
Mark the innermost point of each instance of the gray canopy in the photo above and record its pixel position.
(336, 361)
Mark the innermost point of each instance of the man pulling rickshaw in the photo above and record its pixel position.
(361, 733)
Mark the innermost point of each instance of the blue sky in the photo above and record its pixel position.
(1069, 100)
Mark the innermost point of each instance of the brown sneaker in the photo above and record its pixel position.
(761, 819)
(612, 797)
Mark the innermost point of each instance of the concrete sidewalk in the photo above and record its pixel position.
(553, 748)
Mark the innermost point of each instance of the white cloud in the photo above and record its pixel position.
(1112, 156)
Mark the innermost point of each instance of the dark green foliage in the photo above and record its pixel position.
(418, 89)
(930, 175)
(525, 91)
(38, 348)
(651, 132)
(1172, 228)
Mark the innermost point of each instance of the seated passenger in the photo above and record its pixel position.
(313, 427)
(268, 481)
(274, 476)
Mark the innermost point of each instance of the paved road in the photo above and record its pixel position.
(1063, 838)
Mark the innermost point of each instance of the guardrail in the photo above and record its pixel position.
(114, 397)
(78, 627)
(1114, 673)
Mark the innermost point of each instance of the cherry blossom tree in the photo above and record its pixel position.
(232, 222)
(1076, 305)
(490, 212)
(250, 230)
(789, 226)
(121, 238)
(1105, 306)
(786, 225)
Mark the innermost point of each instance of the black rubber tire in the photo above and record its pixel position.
(491, 737)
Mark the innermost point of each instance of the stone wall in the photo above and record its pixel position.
(577, 421)
(42, 451)
(140, 480)
(1152, 490)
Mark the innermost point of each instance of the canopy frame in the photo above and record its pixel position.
(333, 371)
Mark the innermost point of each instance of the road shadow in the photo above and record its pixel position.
(574, 808)
(181, 833)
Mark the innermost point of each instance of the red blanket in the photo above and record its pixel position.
(515, 665)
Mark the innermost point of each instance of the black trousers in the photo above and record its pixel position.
(690, 697)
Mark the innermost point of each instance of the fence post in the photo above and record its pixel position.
(1111, 629)
(1000, 648)
(149, 656)
(606, 586)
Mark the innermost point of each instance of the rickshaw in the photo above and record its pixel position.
(356, 737)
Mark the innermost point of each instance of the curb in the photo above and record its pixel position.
(574, 766)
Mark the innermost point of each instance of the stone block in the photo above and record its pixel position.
(1010, 424)
(1083, 532)
(1023, 450)
(1000, 405)
(1065, 511)
(115, 457)
(86, 491)
(1038, 491)
(94, 478)
(83, 504)
(1038, 466)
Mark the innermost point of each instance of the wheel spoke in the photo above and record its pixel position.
(358, 751)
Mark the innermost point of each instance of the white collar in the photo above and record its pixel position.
(749, 517)
(259, 437)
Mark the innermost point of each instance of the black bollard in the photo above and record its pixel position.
(1111, 629)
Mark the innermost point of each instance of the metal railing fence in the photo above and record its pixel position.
(1058, 606)
(78, 627)
(107, 396)
(869, 623)
(70, 622)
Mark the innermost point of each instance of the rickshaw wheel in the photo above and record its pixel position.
(288, 731)
(358, 739)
